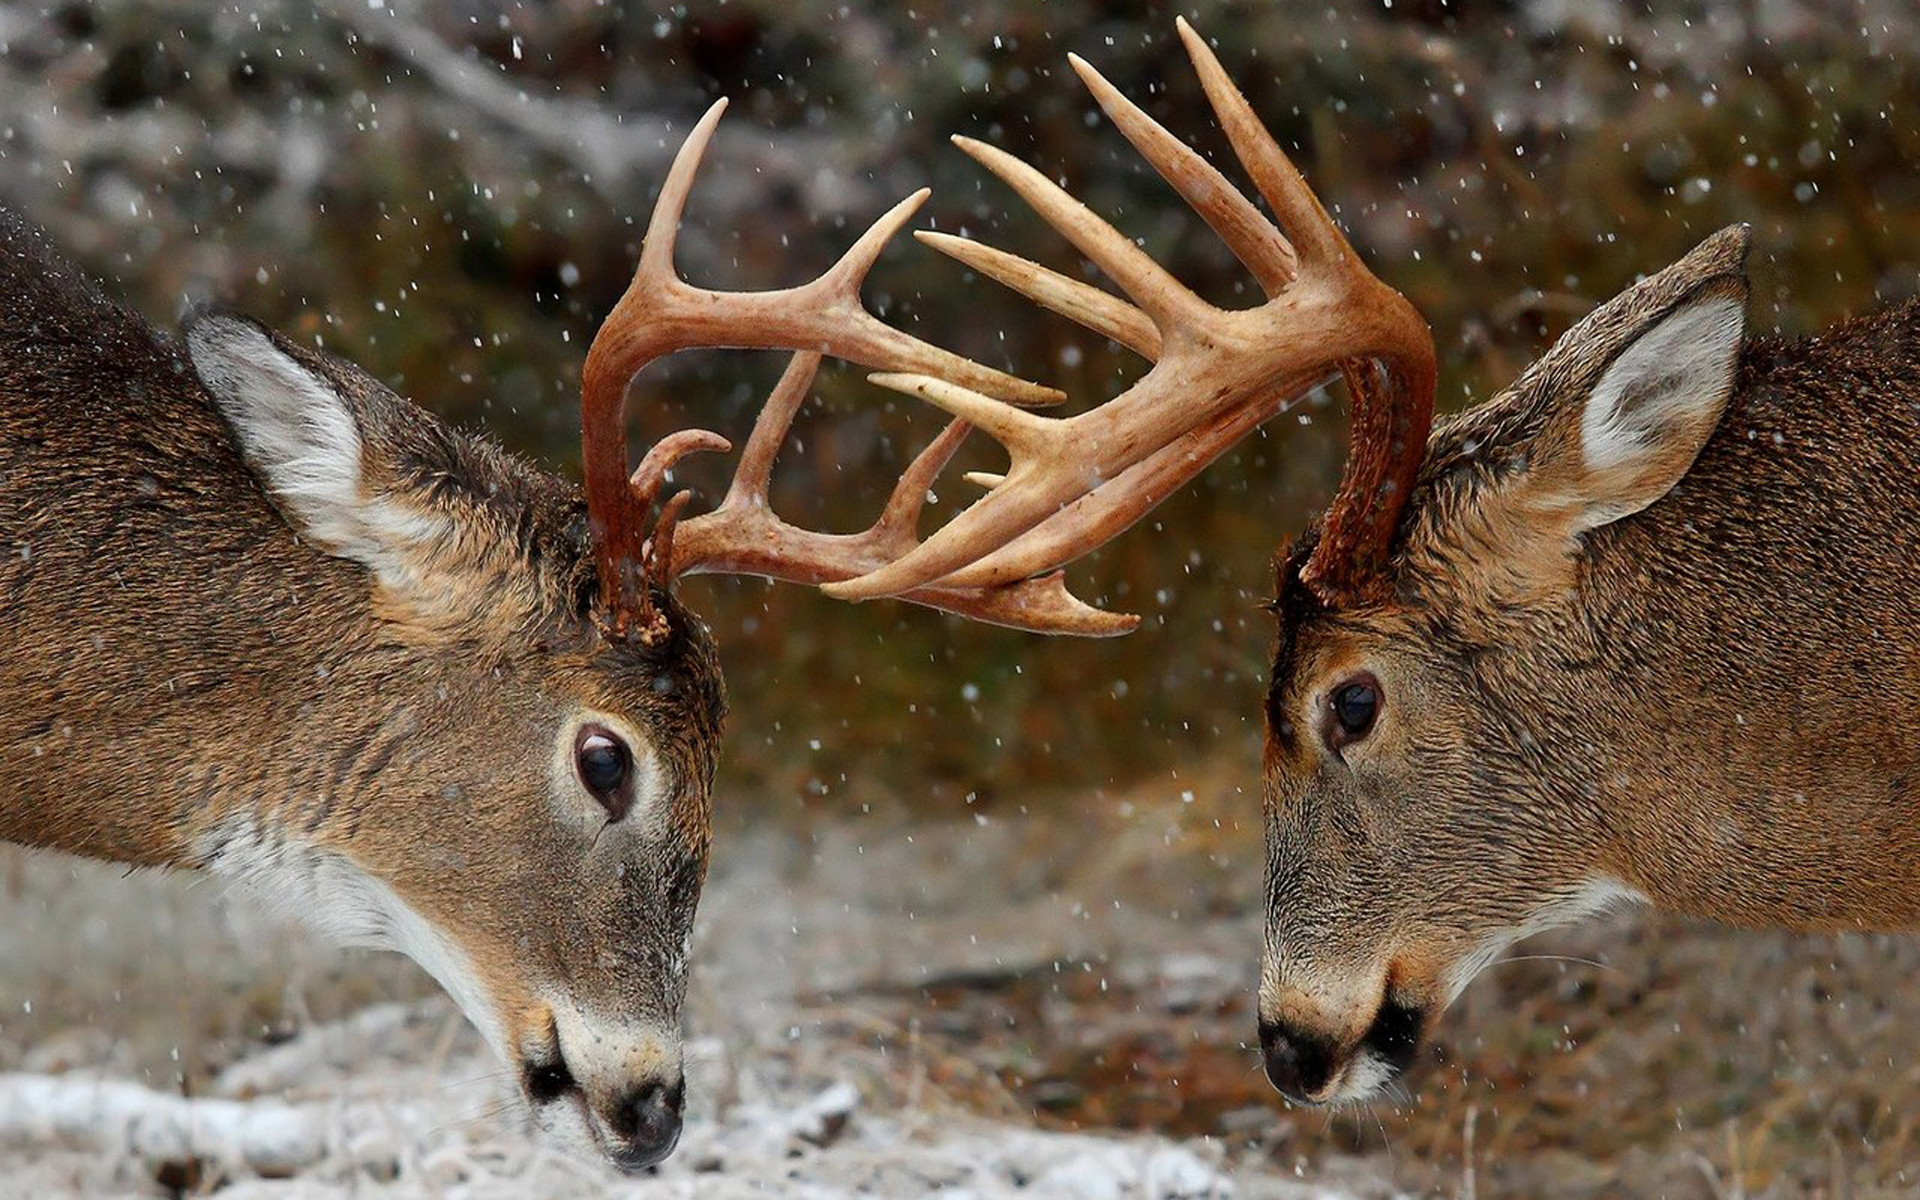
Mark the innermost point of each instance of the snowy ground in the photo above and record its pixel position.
(125, 992)
(377, 1106)
(1007, 1006)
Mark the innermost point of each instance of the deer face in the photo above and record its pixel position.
(1413, 830)
(587, 847)
(558, 864)
(477, 777)
(1434, 759)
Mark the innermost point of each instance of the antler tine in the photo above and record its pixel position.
(663, 227)
(1021, 432)
(1158, 293)
(1104, 513)
(898, 519)
(754, 476)
(1313, 233)
(850, 272)
(1252, 238)
(652, 471)
(660, 545)
(1105, 314)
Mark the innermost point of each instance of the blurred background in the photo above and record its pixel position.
(1038, 856)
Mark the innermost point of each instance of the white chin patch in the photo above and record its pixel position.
(1367, 1076)
(569, 1128)
(1589, 899)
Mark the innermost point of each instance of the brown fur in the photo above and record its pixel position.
(1710, 701)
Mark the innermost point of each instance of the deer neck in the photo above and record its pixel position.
(215, 736)
(1756, 641)
(175, 654)
(1738, 823)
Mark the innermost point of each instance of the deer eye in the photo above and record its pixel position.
(605, 767)
(1355, 705)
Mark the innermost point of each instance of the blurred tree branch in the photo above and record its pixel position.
(611, 151)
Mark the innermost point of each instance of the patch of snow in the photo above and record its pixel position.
(413, 1127)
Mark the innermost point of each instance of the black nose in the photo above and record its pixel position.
(1299, 1064)
(647, 1122)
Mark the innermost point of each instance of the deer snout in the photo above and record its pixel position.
(611, 1088)
(1315, 1054)
(646, 1124)
(638, 1124)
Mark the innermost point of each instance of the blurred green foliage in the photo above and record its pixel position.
(451, 196)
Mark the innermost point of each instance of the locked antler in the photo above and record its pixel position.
(661, 314)
(1075, 482)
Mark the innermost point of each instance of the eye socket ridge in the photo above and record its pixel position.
(1353, 708)
(603, 762)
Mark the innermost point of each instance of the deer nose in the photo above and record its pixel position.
(647, 1123)
(1300, 1065)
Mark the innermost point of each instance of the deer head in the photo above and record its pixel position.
(471, 773)
(1484, 716)
(1449, 749)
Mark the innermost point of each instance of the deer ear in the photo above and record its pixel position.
(1603, 424)
(302, 434)
(1613, 416)
(295, 429)
(1654, 407)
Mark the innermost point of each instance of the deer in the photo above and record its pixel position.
(1643, 628)
(269, 620)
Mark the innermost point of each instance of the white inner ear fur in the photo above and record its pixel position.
(1657, 404)
(294, 428)
(300, 435)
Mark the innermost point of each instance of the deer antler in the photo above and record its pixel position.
(1075, 482)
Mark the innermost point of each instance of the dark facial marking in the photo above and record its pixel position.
(1395, 1033)
(547, 1082)
(1293, 604)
